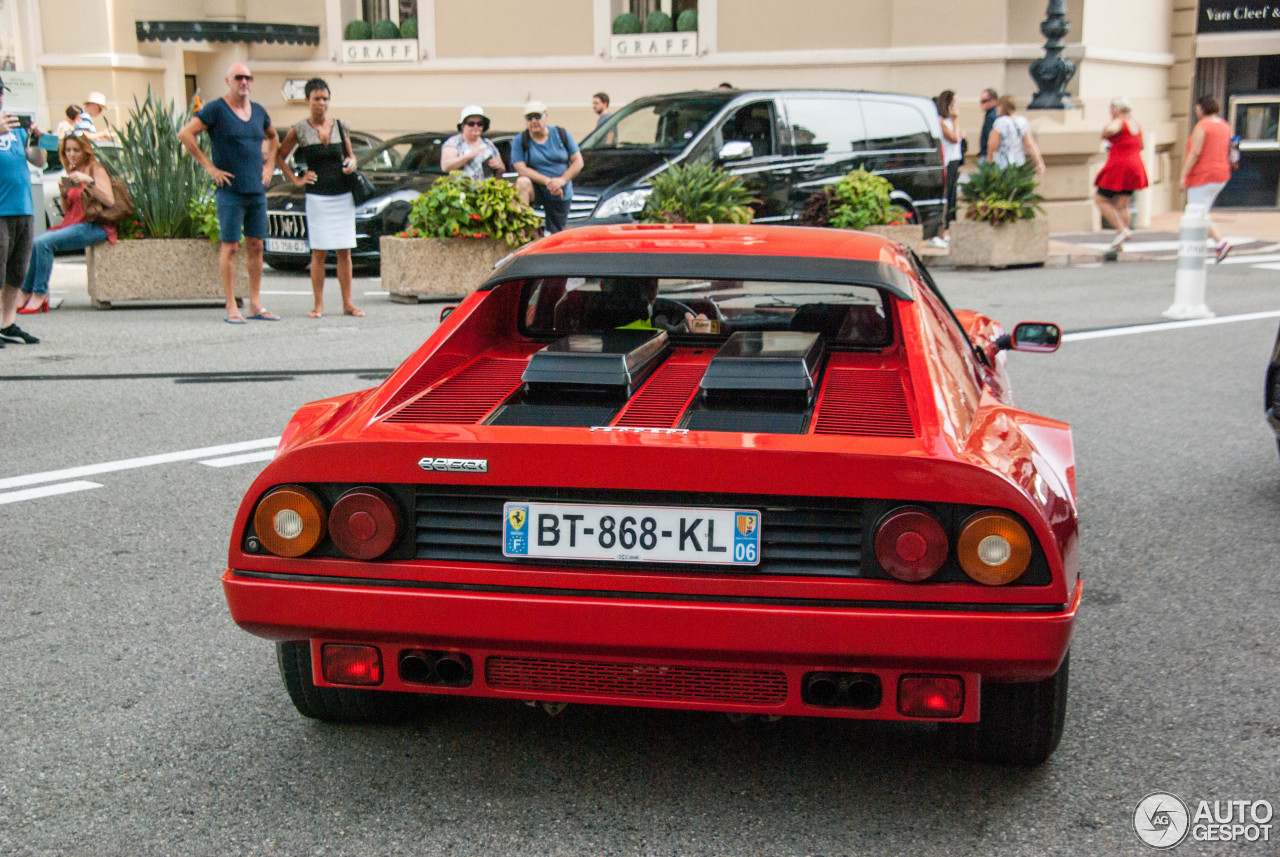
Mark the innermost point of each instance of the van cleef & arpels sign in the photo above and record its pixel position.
(1236, 16)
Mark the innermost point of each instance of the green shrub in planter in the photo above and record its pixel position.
(626, 24)
(409, 28)
(688, 21)
(386, 29)
(658, 22)
(357, 30)
(861, 199)
(697, 193)
(1001, 195)
(459, 207)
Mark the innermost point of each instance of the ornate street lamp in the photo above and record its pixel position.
(1052, 72)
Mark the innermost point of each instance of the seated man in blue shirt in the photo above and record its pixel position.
(546, 163)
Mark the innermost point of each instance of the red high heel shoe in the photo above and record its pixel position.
(44, 307)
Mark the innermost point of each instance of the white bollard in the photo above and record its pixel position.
(1188, 283)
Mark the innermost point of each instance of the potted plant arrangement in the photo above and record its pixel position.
(861, 200)
(456, 232)
(697, 193)
(1000, 227)
(165, 251)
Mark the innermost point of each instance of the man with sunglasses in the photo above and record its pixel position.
(237, 127)
(546, 163)
(468, 151)
(987, 101)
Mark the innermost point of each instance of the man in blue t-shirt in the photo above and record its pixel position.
(237, 127)
(546, 159)
(18, 147)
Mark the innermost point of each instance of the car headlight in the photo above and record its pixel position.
(377, 205)
(628, 202)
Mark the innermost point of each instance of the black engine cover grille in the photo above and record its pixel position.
(799, 536)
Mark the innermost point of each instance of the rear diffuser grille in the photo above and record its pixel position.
(637, 681)
(467, 396)
(866, 402)
(797, 538)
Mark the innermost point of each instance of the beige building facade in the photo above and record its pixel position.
(501, 53)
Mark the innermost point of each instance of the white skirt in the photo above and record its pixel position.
(331, 222)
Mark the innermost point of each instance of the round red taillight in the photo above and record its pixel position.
(289, 521)
(911, 544)
(364, 523)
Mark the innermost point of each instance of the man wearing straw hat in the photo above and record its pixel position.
(93, 107)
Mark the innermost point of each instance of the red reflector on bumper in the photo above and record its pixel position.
(345, 664)
(930, 696)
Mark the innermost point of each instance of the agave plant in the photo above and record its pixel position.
(1002, 194)
(162, 177)
(697, 193)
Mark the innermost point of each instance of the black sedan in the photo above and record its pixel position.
(1273, 390)
(400, 169)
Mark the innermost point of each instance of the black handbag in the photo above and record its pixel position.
(362, 189)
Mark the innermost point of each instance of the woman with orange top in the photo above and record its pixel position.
(1207, 165)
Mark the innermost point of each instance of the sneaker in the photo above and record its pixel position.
(938, 243)
(13, 333)
(1123, 236)
(1223, 249)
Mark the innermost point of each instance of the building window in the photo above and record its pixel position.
(642, 9)
(370, 12)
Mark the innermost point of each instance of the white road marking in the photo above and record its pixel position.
(1274, 266)
(246, 458)
(134, 463)
(284, 292)
(46, 491)
(1167, 325)
(1251, 260)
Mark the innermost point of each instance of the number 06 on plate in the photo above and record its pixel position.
(631, 533)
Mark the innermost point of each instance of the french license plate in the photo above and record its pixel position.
(631, 533)
(287, 245)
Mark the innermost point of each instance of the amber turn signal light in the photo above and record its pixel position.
(994, 548)
(289, 521)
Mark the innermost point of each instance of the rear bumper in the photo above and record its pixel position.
(646, 634)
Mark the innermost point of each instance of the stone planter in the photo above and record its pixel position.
(912, 236)
(975, 244)
(159, 269)
(434, 269)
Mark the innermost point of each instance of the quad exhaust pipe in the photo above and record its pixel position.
(443, 669)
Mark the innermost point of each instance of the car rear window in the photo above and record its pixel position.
(851, 315)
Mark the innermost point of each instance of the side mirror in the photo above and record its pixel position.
(1037, 336)
(736, 150)
(445, 312)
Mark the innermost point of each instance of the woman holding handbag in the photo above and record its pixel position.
(325, 146)
(86, 179)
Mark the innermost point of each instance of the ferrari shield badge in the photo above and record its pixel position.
(516, 529)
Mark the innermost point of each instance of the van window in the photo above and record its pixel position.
(895, 126)
(824, 125)
(658, 123)
(752, 123)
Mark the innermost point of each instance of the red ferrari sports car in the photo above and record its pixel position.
(751, 469)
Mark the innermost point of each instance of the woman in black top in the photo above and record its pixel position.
(325, 146)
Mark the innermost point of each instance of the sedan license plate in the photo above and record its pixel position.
(631, 533)
(287, 245)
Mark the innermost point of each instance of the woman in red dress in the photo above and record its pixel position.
(1123, 172)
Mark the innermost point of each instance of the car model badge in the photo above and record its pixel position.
(455, 465)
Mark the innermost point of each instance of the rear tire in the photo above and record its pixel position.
(336, 705)
(1021, 723)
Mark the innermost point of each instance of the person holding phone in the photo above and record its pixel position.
(19, 146)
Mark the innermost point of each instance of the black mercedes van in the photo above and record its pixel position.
(785, 144)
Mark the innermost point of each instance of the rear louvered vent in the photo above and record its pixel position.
(661, 402)
(869, 402)
(467, 396)
(432, 371)
(637, 681)
(802, 538)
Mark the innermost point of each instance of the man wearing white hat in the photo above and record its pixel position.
(467, 150)
(93, 107)
(547, 163)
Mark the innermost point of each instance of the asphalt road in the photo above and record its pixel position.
(136, 719)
